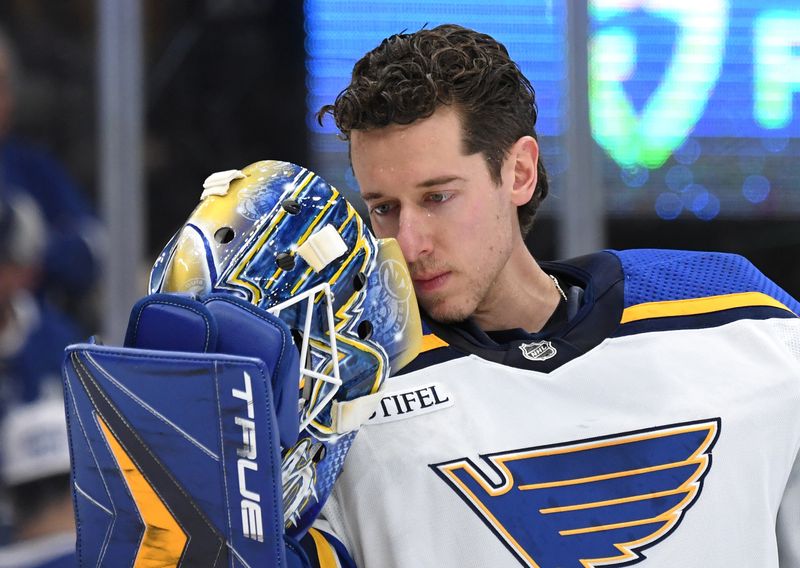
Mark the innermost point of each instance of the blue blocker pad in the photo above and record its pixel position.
(219, 323)
(175, 459)
(176, 448)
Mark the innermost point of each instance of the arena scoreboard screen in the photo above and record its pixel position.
(694, 106)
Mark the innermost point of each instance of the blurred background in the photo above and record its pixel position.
(690, 113)
(662, 124)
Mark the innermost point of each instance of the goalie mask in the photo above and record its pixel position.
(278, 236)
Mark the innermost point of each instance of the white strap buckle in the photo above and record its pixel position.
(350, 415)
(322, 248)
(218, 183)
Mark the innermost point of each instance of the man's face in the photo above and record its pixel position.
(454, 225)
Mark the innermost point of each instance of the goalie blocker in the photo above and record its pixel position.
(175, 438)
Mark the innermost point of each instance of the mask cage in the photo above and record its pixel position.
(317, 389)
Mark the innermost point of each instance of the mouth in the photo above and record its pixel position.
(430, 282)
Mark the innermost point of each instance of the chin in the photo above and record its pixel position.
(446, 312)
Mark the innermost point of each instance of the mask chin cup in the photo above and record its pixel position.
(402, 330)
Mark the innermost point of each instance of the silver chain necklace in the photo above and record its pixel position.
(558, 286)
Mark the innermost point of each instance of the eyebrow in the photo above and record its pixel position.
(441, 180)
(371, 195)
(433, 182)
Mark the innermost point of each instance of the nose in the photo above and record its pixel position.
(414, 234)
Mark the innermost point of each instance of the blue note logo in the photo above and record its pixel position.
(596, 502)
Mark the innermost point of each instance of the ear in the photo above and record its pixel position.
(524, 155)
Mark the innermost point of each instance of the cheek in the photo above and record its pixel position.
(486, 221)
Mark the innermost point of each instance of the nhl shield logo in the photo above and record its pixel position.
(538, 350)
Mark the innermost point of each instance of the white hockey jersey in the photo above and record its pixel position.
(660, 426)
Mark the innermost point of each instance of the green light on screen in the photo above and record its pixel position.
(776, 69)
(669, 115)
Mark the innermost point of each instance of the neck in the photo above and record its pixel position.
(523, 296)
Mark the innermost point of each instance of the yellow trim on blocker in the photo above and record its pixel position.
(325, 552)
(163, 540)
(695, 306)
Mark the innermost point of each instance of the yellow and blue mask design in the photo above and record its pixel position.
(246, 238)
(278, 236)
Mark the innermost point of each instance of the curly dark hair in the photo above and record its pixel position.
(408, 76)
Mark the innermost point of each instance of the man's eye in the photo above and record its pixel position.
(439, 197)
(381, 209)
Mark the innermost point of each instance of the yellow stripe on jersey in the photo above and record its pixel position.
(695, 306)
(325, 552)
(431, 341)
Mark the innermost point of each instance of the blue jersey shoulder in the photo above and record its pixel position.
(656, 275)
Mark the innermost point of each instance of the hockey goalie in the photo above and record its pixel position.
(214, 435)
